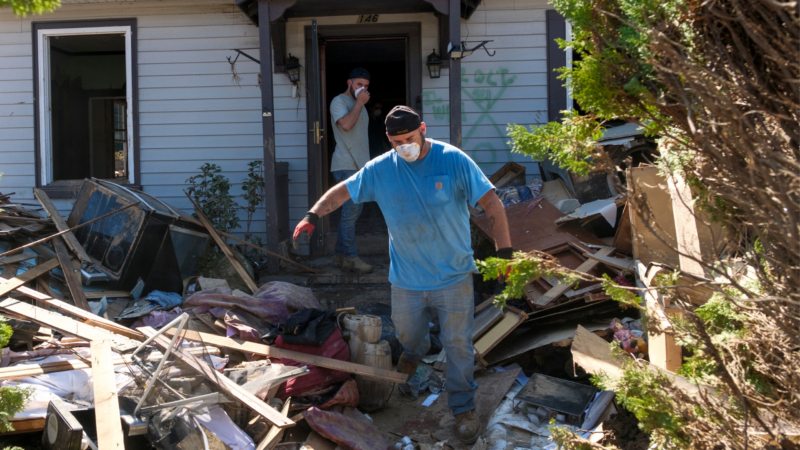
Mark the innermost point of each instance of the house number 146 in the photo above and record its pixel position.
(371, 18)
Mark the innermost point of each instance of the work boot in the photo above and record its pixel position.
(355, 264)
(468, 427)
(406, 367)
(337, 261)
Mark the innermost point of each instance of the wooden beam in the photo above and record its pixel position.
(61, 225)
(25, 426)
(685, 227)
(71, 274)
(223, 382)
(32, 370)
(663, 350)
(86, 316)
(224, 247)
(275, 434)
(66, 325)
(560, 288)
(97, 295)
(106, 403)
(16, 258)
(25, 277)
(268, 130)
(619, 263)
(274, 352)
(454, 21)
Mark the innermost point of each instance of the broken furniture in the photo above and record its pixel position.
(566, 399)
(152, 241)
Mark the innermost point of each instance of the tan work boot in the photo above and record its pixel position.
(468, 427)
(338, 260)
(406, 367)
(355, 264)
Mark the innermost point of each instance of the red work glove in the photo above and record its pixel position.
(306, 225)
(505, 253)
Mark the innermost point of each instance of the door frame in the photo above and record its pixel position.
(412, 31)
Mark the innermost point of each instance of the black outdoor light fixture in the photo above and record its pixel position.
(292, 68)
(434, 65)
(461, 51)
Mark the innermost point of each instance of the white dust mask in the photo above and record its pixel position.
(358, 91)
(376, 113)
(409, 152)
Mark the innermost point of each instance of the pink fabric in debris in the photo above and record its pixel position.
(353, 431)
(318, 378)
(157, 319)
(272, 302)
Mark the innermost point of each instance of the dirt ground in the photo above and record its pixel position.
(623, 431)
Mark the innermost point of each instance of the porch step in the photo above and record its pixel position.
(368, 245)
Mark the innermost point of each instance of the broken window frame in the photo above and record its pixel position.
(42, 31)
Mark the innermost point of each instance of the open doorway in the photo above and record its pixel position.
(385, 59)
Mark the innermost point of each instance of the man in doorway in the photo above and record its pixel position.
(351, 132)
(423, 189)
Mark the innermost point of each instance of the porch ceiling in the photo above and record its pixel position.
(285, 9)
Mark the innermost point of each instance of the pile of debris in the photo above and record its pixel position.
(120, 343)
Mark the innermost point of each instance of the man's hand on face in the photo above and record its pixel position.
(363, 97)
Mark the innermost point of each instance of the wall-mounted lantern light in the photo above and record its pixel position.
(461, 50)
(292, 68)
(434, 65)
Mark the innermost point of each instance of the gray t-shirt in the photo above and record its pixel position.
(352, 147)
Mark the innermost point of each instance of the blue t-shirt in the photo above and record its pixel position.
(425, 207)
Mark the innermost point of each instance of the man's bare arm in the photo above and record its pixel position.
(331, 200)
(498, 223)
(348, 121)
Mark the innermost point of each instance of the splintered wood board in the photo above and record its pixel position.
(275, 434)
(438, 420)
(71, 274)
(17, 258)
(561, 288)
(27, 276)
(67, 325)
(223, 382)
(611, 261)
(535, 338)
(106, 403)
(86, 316)
(510, 321)
(275, 352)
(61, 225)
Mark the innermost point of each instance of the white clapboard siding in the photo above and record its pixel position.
(191, 112)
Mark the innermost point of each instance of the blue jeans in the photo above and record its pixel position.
(411, 313)
(346, 235)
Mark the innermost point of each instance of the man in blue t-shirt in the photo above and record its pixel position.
(423, 189)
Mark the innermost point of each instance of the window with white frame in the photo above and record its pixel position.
(85, 101)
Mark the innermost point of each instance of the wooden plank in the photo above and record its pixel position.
(106, 403)
(71, 275)
(484, 320)
(25, 277)
(226, 250)
(663, 351)
(97, 295)
(510, 321)
(8, 230)
(626, 264)
(275, 434)
(10, 271)
(622, 237)
(652, 220)
(86, 316)
(17, 258)
(66, 325)
(274, 352)
(537, 230)
(560, 288)
(25, 426)
(223, 382)
(61, 225)
(685, 227)
(32, 370)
